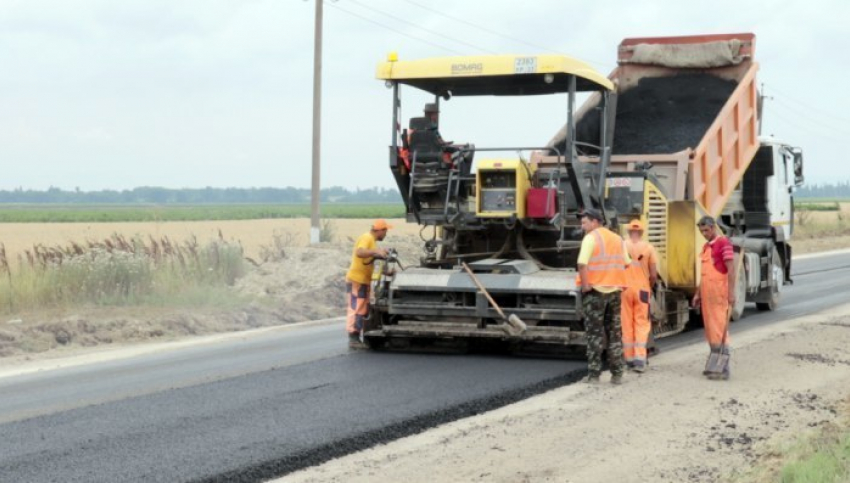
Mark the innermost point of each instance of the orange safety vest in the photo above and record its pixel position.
(637, 275)
(607, 264)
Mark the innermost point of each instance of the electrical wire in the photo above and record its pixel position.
(804, 127)
(810, 118)
(367, 19)
(497, 33)
(414, 25)
(806, 105)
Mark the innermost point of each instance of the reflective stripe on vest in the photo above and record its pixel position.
(607, 264)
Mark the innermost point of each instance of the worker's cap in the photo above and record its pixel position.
(378, 225)
(593, 214)
(706, 221)
(635, 225)
(431, 107)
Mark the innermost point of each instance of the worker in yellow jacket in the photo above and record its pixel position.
(641, 276)
(358, 280)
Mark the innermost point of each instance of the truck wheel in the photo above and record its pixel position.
(778, 279)
(740, 288)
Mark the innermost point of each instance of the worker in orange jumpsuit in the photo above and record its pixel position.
(716, 292)
(358, 280)
(641, 276)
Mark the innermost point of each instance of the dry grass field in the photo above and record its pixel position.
(817, 231)
(252, 234)
(291, 283)
(820, 230)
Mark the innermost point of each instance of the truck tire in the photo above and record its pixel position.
(777, 280)
(740, 288)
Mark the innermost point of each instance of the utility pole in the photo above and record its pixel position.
(315, 229)
(760, 105)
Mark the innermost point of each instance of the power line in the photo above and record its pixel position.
(805, 127)
(809, 106)
(405, 34)
(495, 32)
(814, 120)
(414, 25)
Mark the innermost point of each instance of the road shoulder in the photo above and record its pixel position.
(670, 424)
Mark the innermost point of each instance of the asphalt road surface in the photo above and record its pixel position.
(254, 408)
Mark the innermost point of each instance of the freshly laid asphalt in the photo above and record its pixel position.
(256, 408)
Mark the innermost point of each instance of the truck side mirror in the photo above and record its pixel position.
(798, 166)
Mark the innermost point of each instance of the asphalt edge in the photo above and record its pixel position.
(276, 468)
(135, 350)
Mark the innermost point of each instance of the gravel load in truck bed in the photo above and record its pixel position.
(663, 115)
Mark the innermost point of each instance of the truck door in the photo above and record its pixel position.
(781, 188)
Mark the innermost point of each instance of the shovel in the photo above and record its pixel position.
(513, 324)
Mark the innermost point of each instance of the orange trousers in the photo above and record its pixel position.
(634, 315)
(714, 303)
(356, 306)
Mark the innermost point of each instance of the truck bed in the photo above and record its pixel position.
(697, 126)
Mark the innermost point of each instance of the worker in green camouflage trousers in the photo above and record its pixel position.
(603, 330)
(602, 262)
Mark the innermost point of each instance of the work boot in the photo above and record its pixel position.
(639, 367)
(355, 343)
(718, 376)
(592, 379)
(617, 379)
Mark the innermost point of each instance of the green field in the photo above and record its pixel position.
(81, 213)
(66, 213)
(839, 199)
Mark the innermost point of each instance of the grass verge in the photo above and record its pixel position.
(821, 456)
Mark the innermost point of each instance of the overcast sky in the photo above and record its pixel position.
(102, 94)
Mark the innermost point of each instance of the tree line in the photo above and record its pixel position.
(824, 190)
(156, 195)
(334, 194)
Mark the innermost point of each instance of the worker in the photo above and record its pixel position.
(715, 295)
(432, 113)
(602, 263)
(641, 276)
(359, 278)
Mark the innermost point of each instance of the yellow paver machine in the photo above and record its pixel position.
(669, 136)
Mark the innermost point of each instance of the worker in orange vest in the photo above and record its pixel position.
(641, 276)
(602, 263)
(716, 292)
(358, 280)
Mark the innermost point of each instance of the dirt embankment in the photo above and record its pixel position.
(668, 425)
(299, 284)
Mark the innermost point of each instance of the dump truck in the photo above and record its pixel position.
(671, 135)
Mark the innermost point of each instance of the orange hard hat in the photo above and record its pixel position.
(381, 225)
(635, 225)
